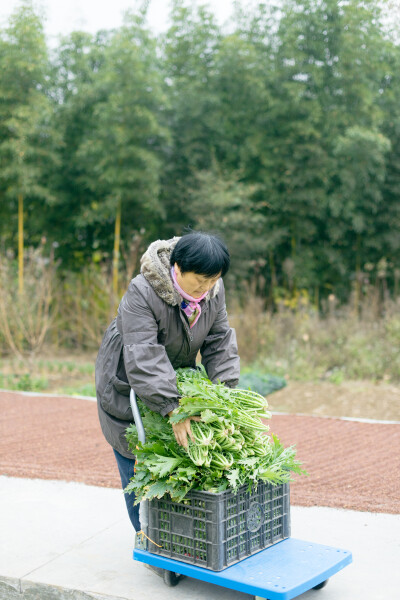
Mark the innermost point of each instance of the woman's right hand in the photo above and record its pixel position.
(182, 430)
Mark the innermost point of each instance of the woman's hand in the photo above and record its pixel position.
(182, 430)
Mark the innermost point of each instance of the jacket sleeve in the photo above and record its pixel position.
(219, 352)
(148, 368)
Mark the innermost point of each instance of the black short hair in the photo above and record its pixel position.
(201, 253)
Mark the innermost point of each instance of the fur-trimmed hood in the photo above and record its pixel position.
(155, 267)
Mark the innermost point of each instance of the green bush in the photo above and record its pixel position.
(23, 382)
(263, 383)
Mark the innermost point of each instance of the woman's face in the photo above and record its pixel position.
(194, 284)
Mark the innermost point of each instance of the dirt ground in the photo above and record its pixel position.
(357, 399)
(68, 374)
(351, 465)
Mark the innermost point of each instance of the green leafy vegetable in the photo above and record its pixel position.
(230, 448)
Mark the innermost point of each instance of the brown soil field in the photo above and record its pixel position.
(351, 464)
(357, 399)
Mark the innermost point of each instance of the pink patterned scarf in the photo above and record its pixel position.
(189, 305)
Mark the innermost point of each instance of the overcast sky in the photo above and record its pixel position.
(63, 17)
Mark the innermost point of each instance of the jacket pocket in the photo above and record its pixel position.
(122, 387)
(115, 400)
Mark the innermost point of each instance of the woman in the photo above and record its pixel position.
(171, 311)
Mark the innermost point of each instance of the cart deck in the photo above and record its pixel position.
(281, 572)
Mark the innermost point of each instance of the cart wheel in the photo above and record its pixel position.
(321, 585)
(171, 579)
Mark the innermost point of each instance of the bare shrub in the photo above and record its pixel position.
(297, 341)
(26, 316)
(88, 303)
(253, 327)
(87, 307)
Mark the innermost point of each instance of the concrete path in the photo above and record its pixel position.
(72, 541)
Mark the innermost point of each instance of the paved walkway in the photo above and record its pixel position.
(61, 539)
(70, 541)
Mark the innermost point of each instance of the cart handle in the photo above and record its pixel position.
(137, 417)
(144, 508)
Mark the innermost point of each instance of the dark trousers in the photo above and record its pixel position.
(126, 470)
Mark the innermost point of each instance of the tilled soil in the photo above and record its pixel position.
(351, 465)
(358, 399)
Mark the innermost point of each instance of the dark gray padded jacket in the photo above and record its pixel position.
(150, 337)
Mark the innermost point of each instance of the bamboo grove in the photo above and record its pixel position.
(279, 129)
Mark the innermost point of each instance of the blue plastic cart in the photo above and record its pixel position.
(281, 572)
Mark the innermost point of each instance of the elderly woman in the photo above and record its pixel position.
(171, 311)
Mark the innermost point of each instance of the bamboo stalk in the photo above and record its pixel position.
(316, 297)
(20, 244)
(357, 286)
(117, 237)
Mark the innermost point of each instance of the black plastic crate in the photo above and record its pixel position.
(217, 530)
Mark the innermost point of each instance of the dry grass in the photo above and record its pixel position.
(360, 340)
(304, 345)
(27, 315)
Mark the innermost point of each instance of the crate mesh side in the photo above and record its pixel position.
(236, 526)
(191, 547)
(186, 530)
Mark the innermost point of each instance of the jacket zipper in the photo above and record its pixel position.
(189, 336)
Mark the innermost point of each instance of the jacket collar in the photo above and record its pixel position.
(155, 267)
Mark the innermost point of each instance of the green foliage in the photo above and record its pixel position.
(188, 50)
(121, 155)
(221, 197)
(229, 448)
(281, 133)
(72, 376)
(262, 383)
(23, 383)
(87, 389)
(358, 197)
(28, 139)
